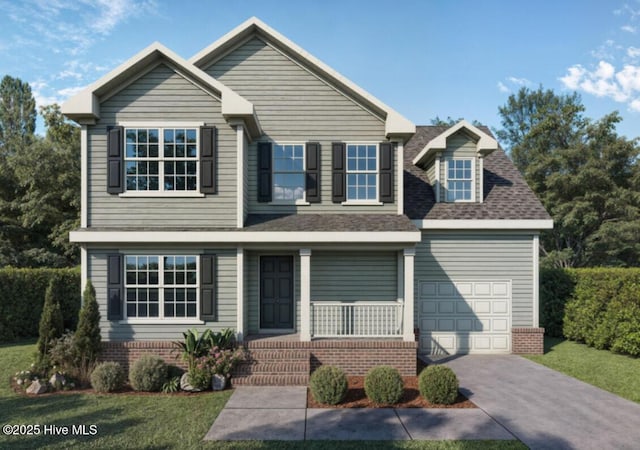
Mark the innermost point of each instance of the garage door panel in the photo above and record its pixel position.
(465, 316)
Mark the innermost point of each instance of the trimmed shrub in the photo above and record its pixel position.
(328, 385)
(22, 293)
(556, 287)
(438, 384)
(149, 373)
(108, 377)
(51, 322)
(384, 385)
(87, 337)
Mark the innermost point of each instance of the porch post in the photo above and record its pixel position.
(407, 331)
(305, 294)
(240, 294)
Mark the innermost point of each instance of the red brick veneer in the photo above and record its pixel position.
(527, 341)
(126, 353)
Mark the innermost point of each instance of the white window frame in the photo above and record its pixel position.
(374, 201)
(299, 201)
(161, 126)
(473, 180)
(161, 286)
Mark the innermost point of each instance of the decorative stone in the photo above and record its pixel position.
(218, 382)
(37, 387)
(185, 385)
(57, 380)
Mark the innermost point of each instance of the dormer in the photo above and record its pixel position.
(453, 161)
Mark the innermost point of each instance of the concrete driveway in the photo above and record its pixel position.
(544, 408)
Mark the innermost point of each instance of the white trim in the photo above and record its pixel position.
(303, 172)
(485, 145)
(187, 236)
(160, 124)
(394, 124)
(240, 176)
(362, 203)
(473, 179)
(369, 201)
(473, 224)
(437, 182)
(399, 178)
(400, 276)
(84, 270)
(298, 202)
(84, 177)
(305, 294)
(535, 288)
(161, 194)
(240, 294)
(481, 179)
(407, 319)
(156, 321)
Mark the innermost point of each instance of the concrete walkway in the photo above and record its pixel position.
(544, 408)
(280, 413)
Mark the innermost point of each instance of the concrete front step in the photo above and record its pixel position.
(270, 380)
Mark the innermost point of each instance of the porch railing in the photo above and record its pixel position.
(356, 319)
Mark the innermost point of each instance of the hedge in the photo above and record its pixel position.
(22, 294)
(556, 287)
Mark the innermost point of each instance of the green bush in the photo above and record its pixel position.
(51, 323)
(328, 385)
(22, 293)
(556, 287)
(384, 385)
(149, 374)
(108, 377)
(438, 384)
(87, 337)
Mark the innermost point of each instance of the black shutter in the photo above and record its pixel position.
(115, 155)
(208, 288)
(339, 173)
(115, 288)
(313, 172)
(208, 181)
(264, 172)
(386, 172)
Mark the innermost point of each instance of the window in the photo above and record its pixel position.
(459, 180)
(161, 286)
(288, 172)
(362, 172)
(161, 159)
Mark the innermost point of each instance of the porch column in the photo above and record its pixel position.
(407, 331)
(305, 294)
(240, 294)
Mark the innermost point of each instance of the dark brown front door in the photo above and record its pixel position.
(276, 292)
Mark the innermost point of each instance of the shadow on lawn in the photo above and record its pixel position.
(551, 342)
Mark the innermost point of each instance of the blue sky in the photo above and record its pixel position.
(424, 58)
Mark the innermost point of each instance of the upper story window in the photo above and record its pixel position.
(288, 172)
(161, 286)
(362, 172)
(459, 184)
(161, 159)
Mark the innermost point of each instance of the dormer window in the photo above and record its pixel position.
(459, 180)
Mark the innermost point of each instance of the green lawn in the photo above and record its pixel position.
(618, 374)
(161, 421)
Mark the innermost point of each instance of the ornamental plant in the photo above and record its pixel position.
(438, 384)
(328, 385)
(384, 385)
(222, 362)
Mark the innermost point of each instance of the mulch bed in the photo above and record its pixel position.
(356, 397)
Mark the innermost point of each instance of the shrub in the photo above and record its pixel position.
(148, 373)
(384, 385)
(438, 384)
(51, 321)
(87, 337)
(108, 377)
(63, 355)
(328, 385)
(556, 287)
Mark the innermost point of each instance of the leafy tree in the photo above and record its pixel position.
(17, 114)
(450, 121)
(584, 173)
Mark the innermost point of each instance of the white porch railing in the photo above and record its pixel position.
(356, 319)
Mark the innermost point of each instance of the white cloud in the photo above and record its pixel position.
(519, 81)
(628, 28)
(622, 86)
(512, 83)
(42, 93)
(633, 52)
(606, 50)
(503, 88)
(69, 92)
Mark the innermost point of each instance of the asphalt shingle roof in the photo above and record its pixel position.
(328, 222)
(506, 194)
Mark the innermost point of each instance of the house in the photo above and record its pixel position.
(253, 187)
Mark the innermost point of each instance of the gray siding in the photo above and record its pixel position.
(115, 331)
(162, 94)
(294, 105)
(354, 276)
(459, 146)
(252, 275)
(477, 256)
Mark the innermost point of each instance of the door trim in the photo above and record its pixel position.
(294, 299)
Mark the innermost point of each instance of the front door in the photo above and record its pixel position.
(276, 292)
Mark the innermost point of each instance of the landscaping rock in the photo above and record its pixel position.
(57, 380)
(185, 385)
(37, 387)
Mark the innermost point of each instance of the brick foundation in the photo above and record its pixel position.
(527, 341)
(126, 353)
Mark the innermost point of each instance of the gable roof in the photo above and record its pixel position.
(395, 123)
(485, 143)
(506, 194)
(85, 105)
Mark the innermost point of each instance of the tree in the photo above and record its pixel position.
(17, 114)
(88, 340)
(584, 173)
(449, 122)
(51, 321)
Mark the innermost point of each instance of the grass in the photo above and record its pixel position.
(615, 373)
(162, 421)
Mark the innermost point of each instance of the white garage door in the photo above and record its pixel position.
(464, 316)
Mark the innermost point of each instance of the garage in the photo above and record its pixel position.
(464, 316)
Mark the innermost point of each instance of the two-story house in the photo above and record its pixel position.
(252, 187)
